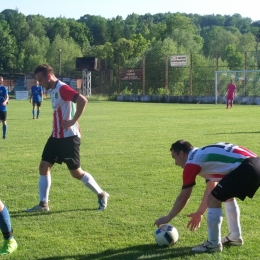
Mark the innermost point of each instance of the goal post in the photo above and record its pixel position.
(247, 83)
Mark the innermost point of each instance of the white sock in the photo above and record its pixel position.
(214, 220)
(90, 182)
(233, 219)
(44, 187)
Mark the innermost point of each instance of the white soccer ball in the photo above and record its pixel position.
(166, 235)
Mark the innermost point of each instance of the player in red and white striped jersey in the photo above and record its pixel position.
(64, 143)
(231, 171)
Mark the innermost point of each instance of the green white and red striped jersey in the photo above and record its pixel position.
(63, 100)
(213, 162)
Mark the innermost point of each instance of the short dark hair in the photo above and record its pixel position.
(45, 69)
(181, 145)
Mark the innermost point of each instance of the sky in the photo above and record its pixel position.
(111, 8)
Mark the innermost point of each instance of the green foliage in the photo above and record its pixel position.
(127, 91)
(98, 27)
(105, 51)
(216, 39)
(37, 25)
(80, 33)
(35, 49)
(8, 47)
(161, 91)
(234, 58)
(119, 43)
(124, 49)
(116, 28)
(140, 44)
(178, 21)
(69, 51)
(102, 98)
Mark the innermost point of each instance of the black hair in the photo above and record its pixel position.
(45, 69)
(181, 145)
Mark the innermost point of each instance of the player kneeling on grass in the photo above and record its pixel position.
(10, 244)
(64, 142)
(237, 171)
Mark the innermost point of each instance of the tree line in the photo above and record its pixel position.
(27, 41)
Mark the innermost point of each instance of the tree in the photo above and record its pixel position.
(155, 58)
(17, 24)
(80, 34)
(116, 28)
(203, 74)
(216, 39)
(234, 58)
(246, 42)
(98, 27)
(8, 48)
(34, 50)
(37, 25)
(212, 20)
(123, 50)
(157, 32)
(131, 25)
(236, 20)
(177, 21)
(69, 51)
(103, 52)
(140, 44)
(187, 41)
(58, 26)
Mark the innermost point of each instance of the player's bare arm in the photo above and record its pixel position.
(6, 100)
(197, 216)
(81, 102)
(178, 205)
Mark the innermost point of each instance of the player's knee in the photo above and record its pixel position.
(44, 168)
(213, 202)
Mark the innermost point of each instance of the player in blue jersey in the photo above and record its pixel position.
(36, 98)
(10, 243)
(3, 108)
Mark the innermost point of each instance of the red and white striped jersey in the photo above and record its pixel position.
(213, 162)
(63, 103)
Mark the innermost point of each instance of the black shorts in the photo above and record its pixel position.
(35, 103)
(241, 183)
(59, 150)
(3, 115)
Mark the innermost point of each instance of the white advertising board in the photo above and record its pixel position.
(180, 60)
(21, 95)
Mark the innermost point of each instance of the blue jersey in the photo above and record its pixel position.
(36, 93)
(3, 96)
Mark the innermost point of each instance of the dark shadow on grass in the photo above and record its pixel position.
(235, 133)
(205, 108)
(21, 213)
(132, 253)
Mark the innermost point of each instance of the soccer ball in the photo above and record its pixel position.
(166, 235)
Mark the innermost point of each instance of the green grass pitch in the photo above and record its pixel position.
(125, 146)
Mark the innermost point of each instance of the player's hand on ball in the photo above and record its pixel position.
(162, 220)
(194, 222)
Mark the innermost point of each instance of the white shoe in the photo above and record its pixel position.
(207, 247)
(228, 241)
(102, 200)
(38, 208)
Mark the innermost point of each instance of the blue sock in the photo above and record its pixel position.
(38, 113)
(4, 130)
(33, 113)
(5, 224)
